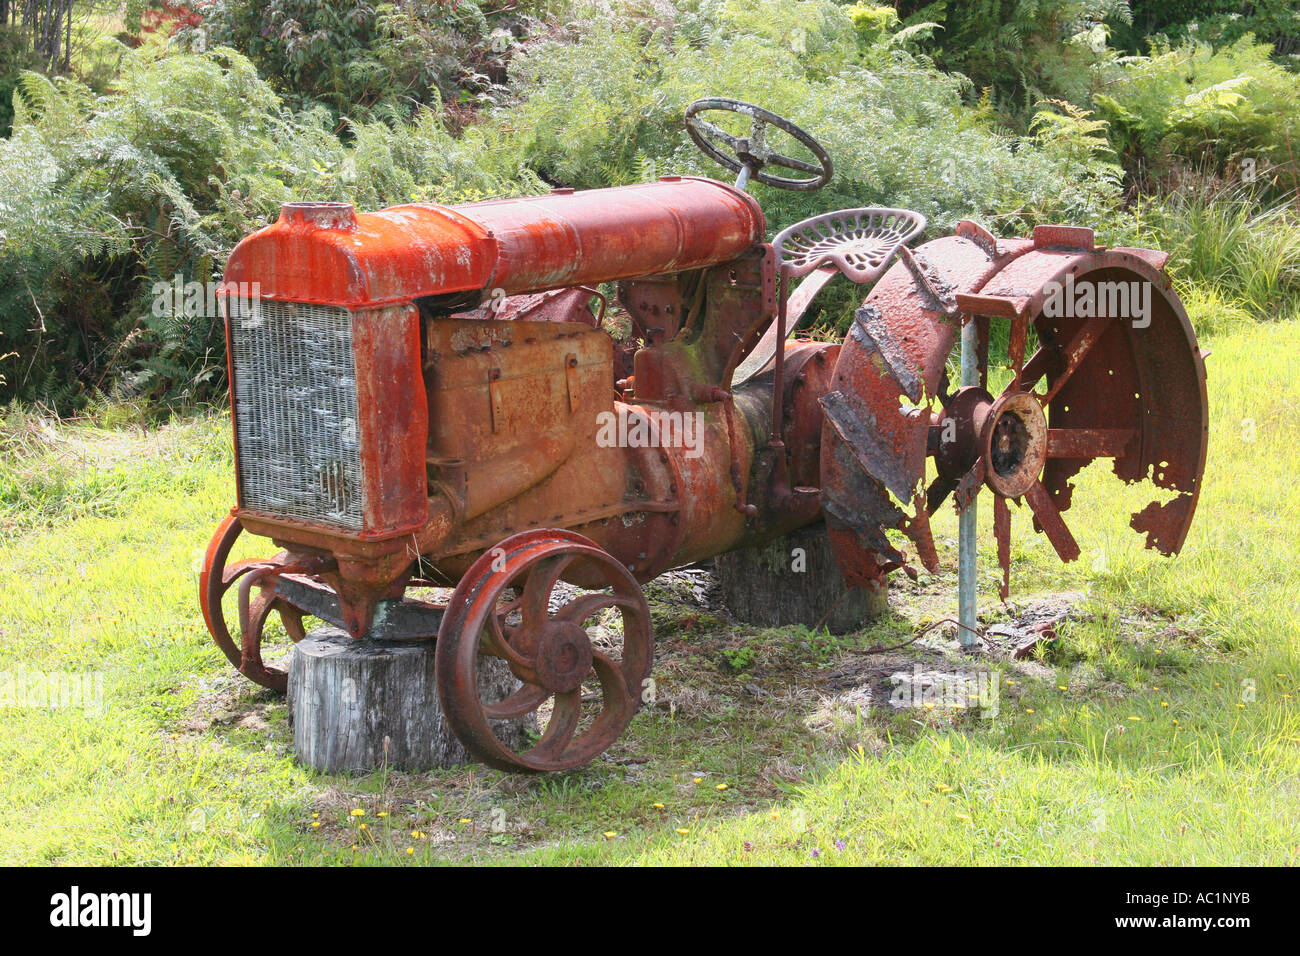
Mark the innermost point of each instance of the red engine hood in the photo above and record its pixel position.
(328, 253)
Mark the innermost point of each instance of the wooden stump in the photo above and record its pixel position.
(794, 580)
(358, 705)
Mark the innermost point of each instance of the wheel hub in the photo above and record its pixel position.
(563, 656)
(1013, 442)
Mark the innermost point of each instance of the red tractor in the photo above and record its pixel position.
(431, 396)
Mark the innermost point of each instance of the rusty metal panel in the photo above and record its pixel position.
(328, 253)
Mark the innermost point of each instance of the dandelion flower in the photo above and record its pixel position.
(382, 813)
(657, 806)
(358, 812)
(683, 831)
(1164, 703)
(698, 780)
(1061, 687)
(464, 820)
(410, 850)
(610, 834)
(721, 786)
(1029, 710)
(315, 824)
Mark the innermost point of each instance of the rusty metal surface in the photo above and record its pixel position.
(494, 416)
(328, 253)
(1127, 388)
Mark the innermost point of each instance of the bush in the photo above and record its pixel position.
(604, 106)
(104, 196)
(355, 55)
(1024, 50)
(1228, 244)
(1196, 106)
(1221, 22)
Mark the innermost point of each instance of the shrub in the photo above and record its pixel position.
(1225, 241)
(1193, 105)
(607, 109)
(357, 55)
(105, 195)
(1024, 50)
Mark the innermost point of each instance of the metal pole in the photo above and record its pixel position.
(966, 520)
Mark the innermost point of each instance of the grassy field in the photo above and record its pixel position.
(1161, 729)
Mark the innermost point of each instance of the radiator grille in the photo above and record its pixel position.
(295, 402)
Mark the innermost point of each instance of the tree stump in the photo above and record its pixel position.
(794, 580)
(361, 705)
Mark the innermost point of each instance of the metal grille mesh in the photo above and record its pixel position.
(295, 399)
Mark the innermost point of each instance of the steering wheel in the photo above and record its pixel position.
(747, 155)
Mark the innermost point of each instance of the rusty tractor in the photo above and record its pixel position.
(430, 396)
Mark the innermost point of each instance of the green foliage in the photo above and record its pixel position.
(1193, 105)
(606, 107)
(104, 195)
(1025, 50)
(1228, 245)
(871, 23)
(357, 54)
(1221, 22)
(107, 193)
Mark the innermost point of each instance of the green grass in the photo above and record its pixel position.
(102, 525)
(1229, 244)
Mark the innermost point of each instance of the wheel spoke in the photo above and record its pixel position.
(788, 162)
(1002, 532)
(1016, 349)
(233, 572)
(616, 703)
(1075, 352)
(1049, 519)
(523, 701)
(579, 609)
(494, 643)
(1088, 442)
(715, 132)
(939, 489)
(534, 603)
(560, 728)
